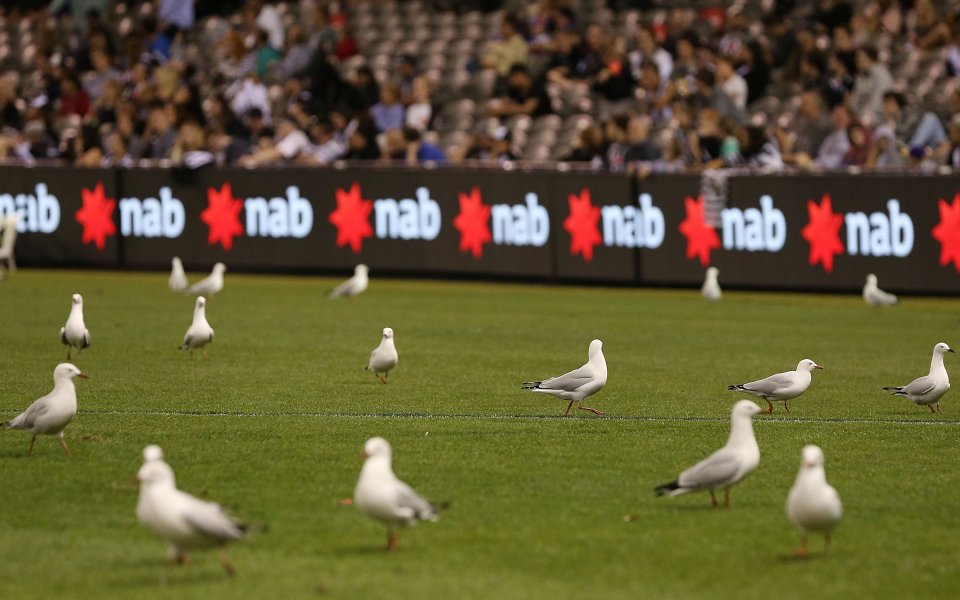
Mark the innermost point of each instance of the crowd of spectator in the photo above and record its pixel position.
(868, 84)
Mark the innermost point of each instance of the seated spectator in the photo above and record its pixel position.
(326, 146)
(191, 151)
(115, 152)
(648, 51)
(362, 89)
(388, 113)
(252, 94)
(952, 155)
(160, 134)
(911, 127)
(524, 96)
(730, 82)
(615, 132)
(288, 143)
(492, 147)
(420, 109)
(588, 148)
(298, 53)
(836, 145)
(407, 73)
(640, 146)
(362, 144)
(754, 67)
(407, 146)
(74, 100)
(614, 83)
(885, 153)
(96, 80)
(872, 81)
(511, 49)
(860, 145)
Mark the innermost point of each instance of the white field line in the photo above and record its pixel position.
(505, 417)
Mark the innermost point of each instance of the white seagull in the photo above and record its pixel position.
(711, 287)
(928, 390)
(353, 286)
(199, 334)
(211, 284)
(178, 279)
(50, 414)
(384, 357)
(184, 521)
(728, 465)
(874, 296)
(384, 497)
(813, 504)
(576, 385)
(780, 387)
(74, 334)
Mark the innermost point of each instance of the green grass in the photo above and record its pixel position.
(273, 424)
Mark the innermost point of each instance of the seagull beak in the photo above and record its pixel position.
(82, 376)
(950, 350)
(818, 366)
(365, 454)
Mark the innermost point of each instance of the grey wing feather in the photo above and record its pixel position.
(26, 419)
(770, 384)
(86, 338)
(209, 519)
(63, 335)
(715, 470)
(422, 508)
(920, 385)
(569, 381)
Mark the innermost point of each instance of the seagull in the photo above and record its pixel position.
(576, 385)
(813, 504)
(186, 522)
(199, 334)
(874, 296)
(353, 286)
(711, 287)
(728, 465)
(74, 334)
(384, 357)
(781, 386)
(50, 414)
(178, 279)
(385, 498)
(928, 390)
(211, 284)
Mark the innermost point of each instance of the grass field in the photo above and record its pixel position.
(273, 424)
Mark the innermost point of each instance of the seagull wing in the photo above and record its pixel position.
(27, 418)
(771, 384)
(569, 382)
(919, 386)
(421, 507)
(63, 336)
(343, 289)
(209, 519)
(86, 338)
(715, 470)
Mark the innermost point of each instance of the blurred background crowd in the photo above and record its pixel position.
(623, 85)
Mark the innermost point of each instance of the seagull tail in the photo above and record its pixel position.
(531, 385)
(896, 389)
(736, 387)
(666, 488)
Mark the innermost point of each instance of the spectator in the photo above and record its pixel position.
(730, 82)
(910, 127)
(177, 12)
(408, 146)
(190, 150)
(952, 155)
(707, 95)
(885, 153)
(73, 99)
(523, 96)
(860, 145)
(362, 144)
(252, 94)
(362, 90)
(640, 146)
(614, 83)
(872, 81)
(420, 110)
(160, 134)
(388, 113)
(9, 113)
(326, 146)
(836, 145)
(648, 51)
(511, 49)
(288, 143)
(811, 127)
(96, 80)
(494, 147)
(754, 67)
(589, 148)
(298, 53)
(615, 132)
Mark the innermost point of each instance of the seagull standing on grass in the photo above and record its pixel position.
(384, 357)
(711, 287)
(74, 334)
(353, 286)
(184, 521)
(211, 284)
(50, 414)
(781, 386)
(199, 334)
(576, 385)
(813, 504)
(178, 279)
(874, 296)
(928, 390)
(728, 465)
(384, 497)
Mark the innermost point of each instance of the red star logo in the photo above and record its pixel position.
(222, 216)
(473, 223)
(701, 238)
(823, 233)
(947, 232)
(352, 218)
(582, 225)
(96, 216)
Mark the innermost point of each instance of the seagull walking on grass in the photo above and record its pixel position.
(727, 466)
(874, 296)
(178, 279)
(50, 414)
(74, 334)
(384, 357)
(211, 284)
(576, 385)
(185, 522)
(813, 504)
(927, 390)
(199, 334)
(387, 499)
(353, 286)
(780, 387)
(711, 286)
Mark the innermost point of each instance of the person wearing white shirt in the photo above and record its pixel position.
(732, 84)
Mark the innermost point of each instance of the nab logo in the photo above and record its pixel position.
(754, 229)
(153, 217)
(279, 217)
(880, 234)
(631, 226)
(408, 219)
(39, 212)
(526, 224)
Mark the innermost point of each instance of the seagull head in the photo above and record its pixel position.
(155, 472)
(376, 446)
(942, 347)
(361, 269)
(712, 272)
(808, 365)
(67, 371)
(219, 268)
(152, 452)
(871, 279)
(77, 300)
(176, 262)
(201, 301)
(595, 346)
(745, 408)
(387, 333)
(812, 457)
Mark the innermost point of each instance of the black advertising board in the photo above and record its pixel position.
(679, 259)
(65, 215)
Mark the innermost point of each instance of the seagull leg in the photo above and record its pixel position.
(227, 565)
(769, 410)
(68, 352)
(802, 548)
(567, 412)
(713, 499)
(205, 355)
(593, 410)
(930, 406)
(63, 443)
(393, 540)
(726, 498)
(939, 410)
(382, 379)
(30, 448)
(785, 406)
